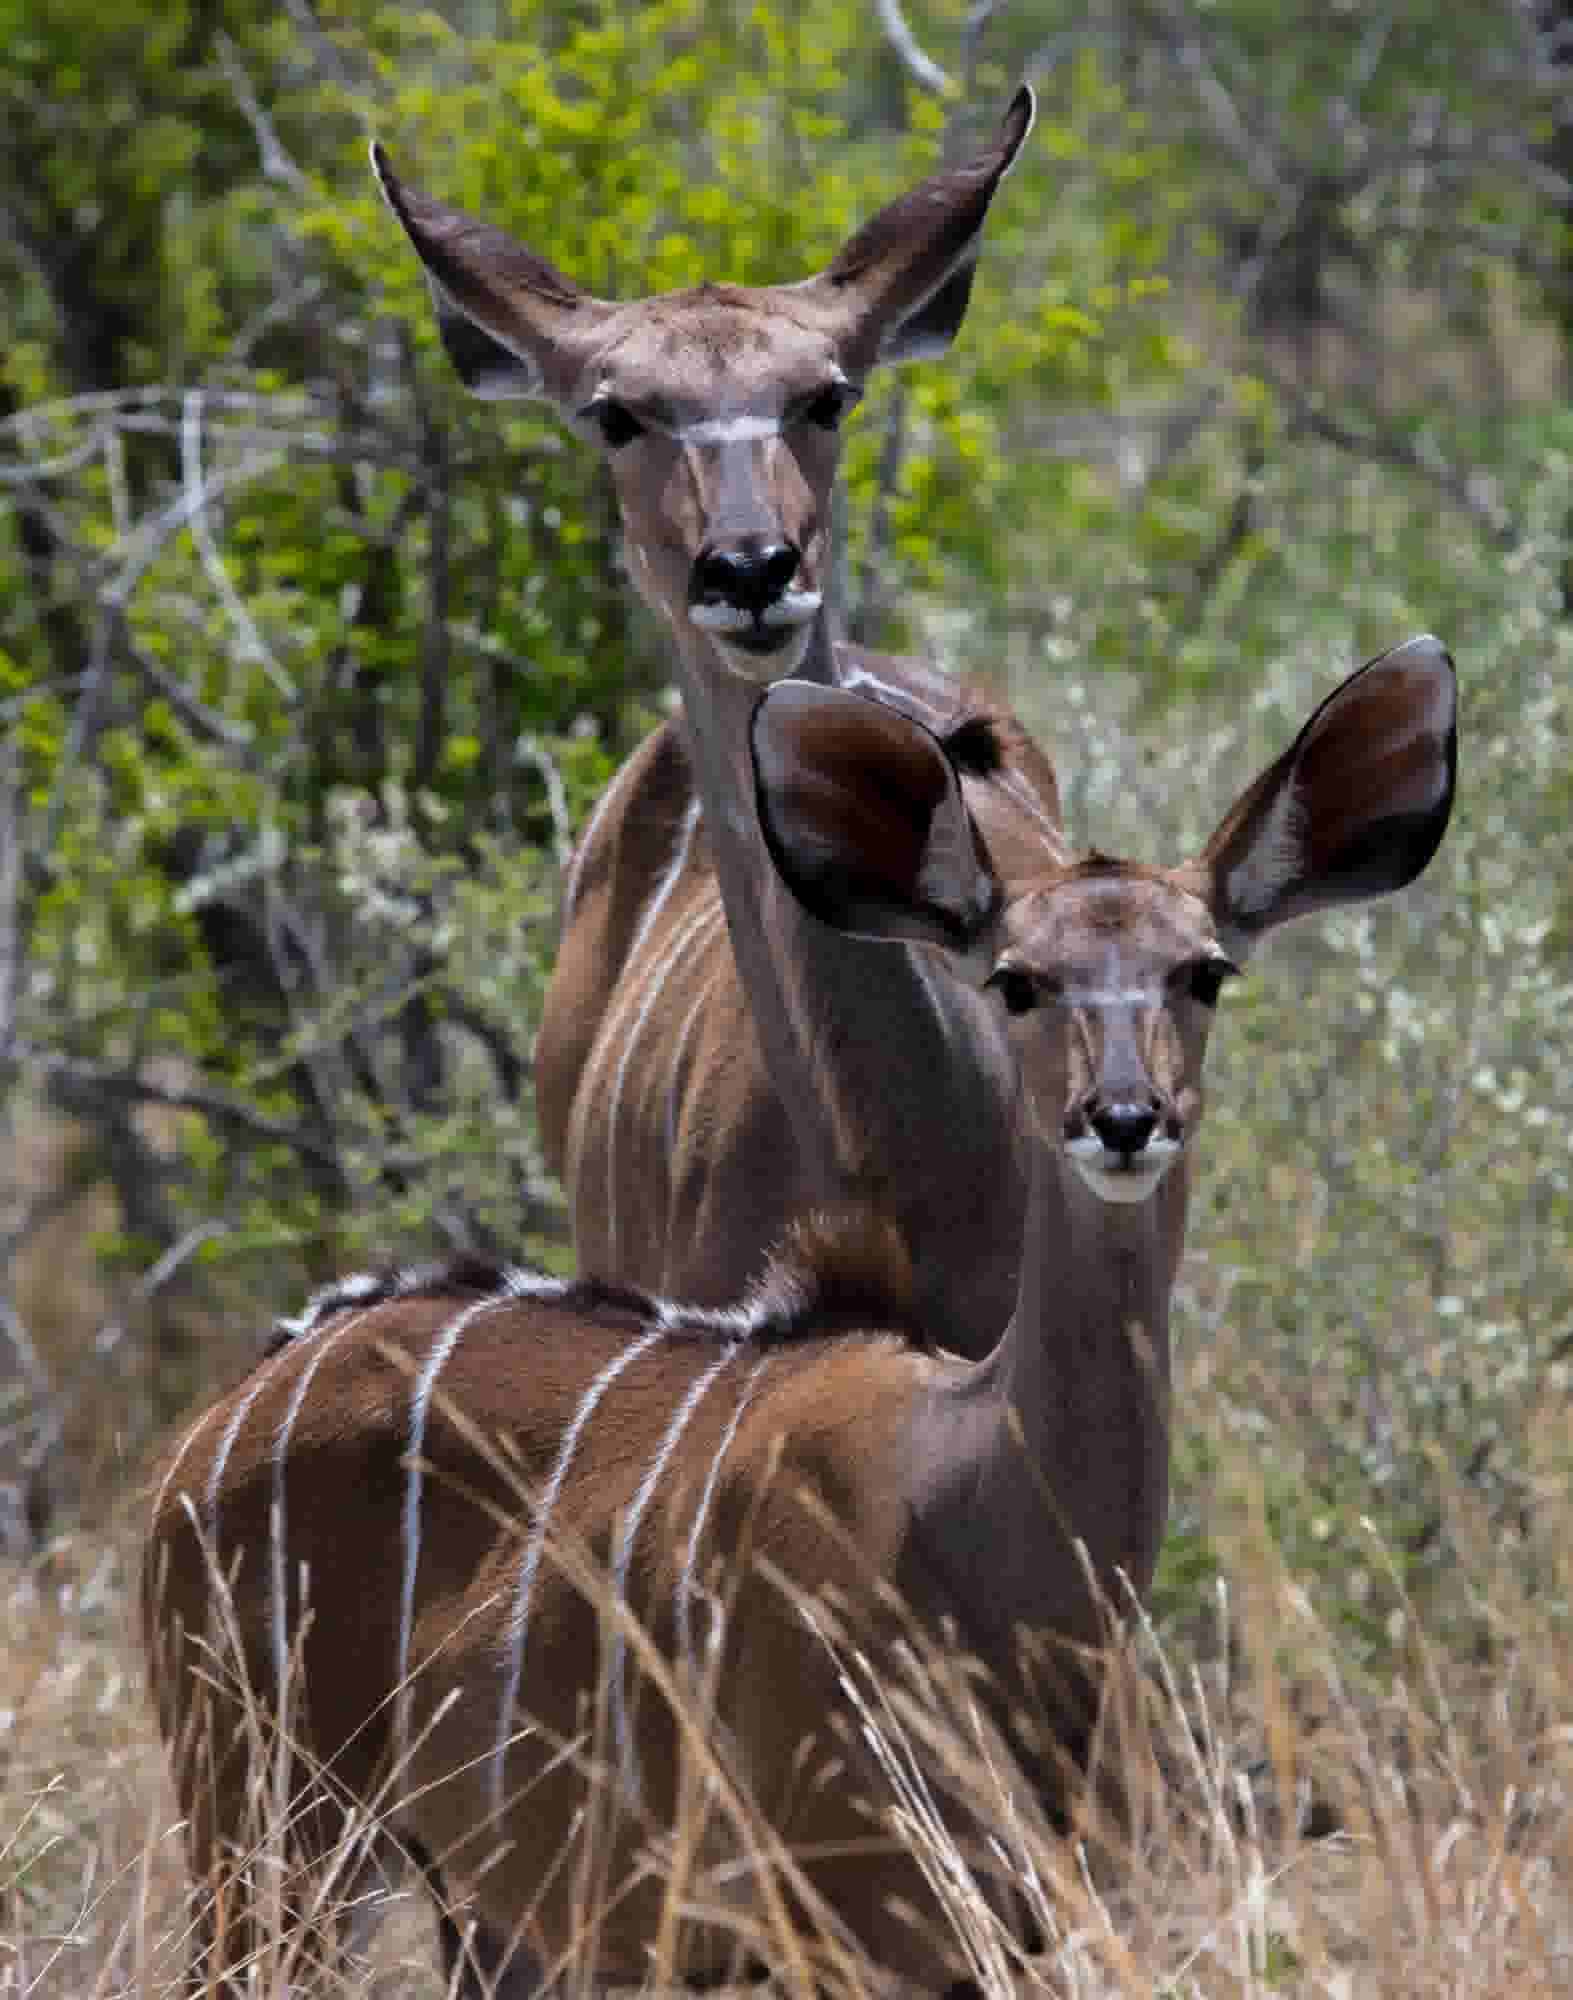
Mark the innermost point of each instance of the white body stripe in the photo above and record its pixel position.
(685, 1582)
(277, 1521)
(674, 1097)
(936, 999)
(707, 914)
(519, 1615)
(420, 1405)
(586, 840)
(664, 888)
(176, 1462)
(624, 1561)
(226, 1444)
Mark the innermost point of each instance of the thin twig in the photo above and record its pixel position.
(10, 894)
(923, 70)
(155, 1277)
(276, 162)
(253, 647)
(530, 750)
(1389, 449)
(125, 1087)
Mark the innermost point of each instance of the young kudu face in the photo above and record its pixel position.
(1108, 971)
(1109, 977)
(718, 407)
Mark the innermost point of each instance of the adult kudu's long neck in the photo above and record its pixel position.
(904, 1065)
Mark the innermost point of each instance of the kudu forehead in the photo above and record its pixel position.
(1108, 930)
(693, 362)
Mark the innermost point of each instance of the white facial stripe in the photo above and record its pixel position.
(730, 430)
(1095, 997)
(685, 1582)
(686, 936)
(420, 1404)
(519, 1614)
(622, 1733)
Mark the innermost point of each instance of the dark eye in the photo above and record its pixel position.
(1015, 987)
(615, 421)
(827, 406)
(1206, 978)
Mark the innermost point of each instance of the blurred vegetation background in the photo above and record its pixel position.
(310, 667)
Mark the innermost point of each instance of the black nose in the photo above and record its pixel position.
(750, 573)
(1124, 1128)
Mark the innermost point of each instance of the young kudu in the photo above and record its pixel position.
(462, 1475)
(701, 1077)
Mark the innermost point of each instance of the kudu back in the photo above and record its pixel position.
(709, 1060)
(551, 1585)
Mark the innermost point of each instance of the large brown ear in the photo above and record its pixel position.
(900, 286)
(863, 816)
(512, 325)
(1356, 806)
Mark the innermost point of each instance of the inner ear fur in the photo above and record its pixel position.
(1355, 808)
(862, 814)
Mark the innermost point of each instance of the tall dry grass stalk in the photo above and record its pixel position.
(1292, 1825)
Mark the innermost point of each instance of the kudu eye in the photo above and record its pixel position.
(615, 421)
(1205, 978)
(1016, 987)
(827, 406)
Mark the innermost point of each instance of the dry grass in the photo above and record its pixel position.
(1295, 1830)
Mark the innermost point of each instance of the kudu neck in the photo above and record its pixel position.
(864, 1045)
(1061, 1435)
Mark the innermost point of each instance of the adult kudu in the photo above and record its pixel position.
(702, 1077)
(430, 1501)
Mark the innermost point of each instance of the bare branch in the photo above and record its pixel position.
(1189, 44)
(155, 1278)
(253, 647)
(125, 1087)
(1467, 489)
(276, 162)
(923, 70)
(201, 720)
(10, 894)
(530, 750)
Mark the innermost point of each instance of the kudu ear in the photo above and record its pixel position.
(863, 816)
(512, 325)
(1355, 807)
(901, 284)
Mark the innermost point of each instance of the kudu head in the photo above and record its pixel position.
(1107, 970)
(718, 408)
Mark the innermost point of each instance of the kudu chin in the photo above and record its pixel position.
(562, 1589)
(709, 1060)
